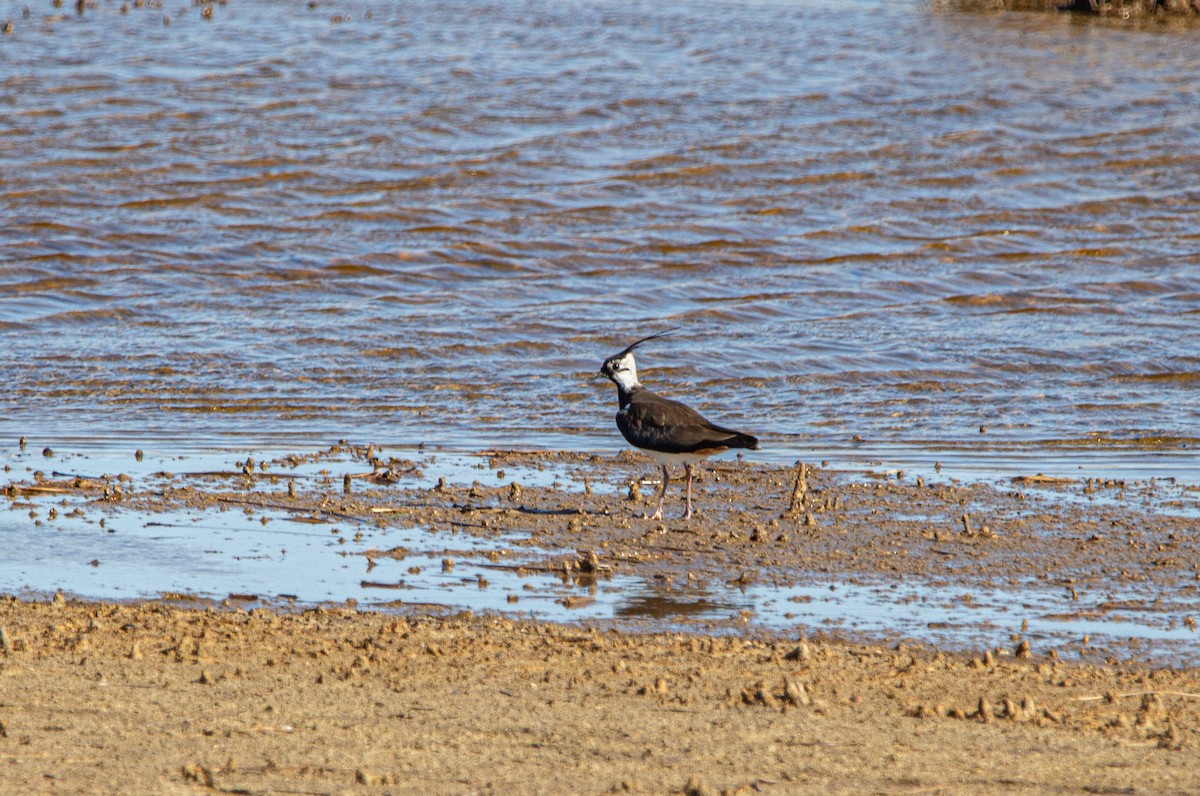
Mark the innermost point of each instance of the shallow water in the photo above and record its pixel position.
(391, 222)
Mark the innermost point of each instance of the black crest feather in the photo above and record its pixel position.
(655, 336)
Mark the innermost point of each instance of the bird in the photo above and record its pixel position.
(668, 431)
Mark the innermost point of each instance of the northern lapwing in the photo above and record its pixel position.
(668, 431)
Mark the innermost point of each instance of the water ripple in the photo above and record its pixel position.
(892, 222)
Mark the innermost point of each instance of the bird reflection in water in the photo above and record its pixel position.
(665, 603)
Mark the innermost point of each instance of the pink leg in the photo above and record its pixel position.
(687, 514)
(662, 493)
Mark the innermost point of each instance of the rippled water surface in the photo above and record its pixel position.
(430, 221)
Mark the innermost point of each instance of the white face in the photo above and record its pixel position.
(623, 371)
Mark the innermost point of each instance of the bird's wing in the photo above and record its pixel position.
(651, 421)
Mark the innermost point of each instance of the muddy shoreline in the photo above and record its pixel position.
(711, 678)
(1087, 568)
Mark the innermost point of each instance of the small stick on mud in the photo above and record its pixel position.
(77, 476)
(1183, 694)
(522, 568)
(262, 504)
(800, 490)
(45, 490)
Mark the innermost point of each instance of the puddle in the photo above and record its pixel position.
(990, 463)
(957, 617)
(250, 552)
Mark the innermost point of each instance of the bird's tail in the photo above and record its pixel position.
(740, 440)
(747, 441)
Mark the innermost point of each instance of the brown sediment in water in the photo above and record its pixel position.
(167, 695)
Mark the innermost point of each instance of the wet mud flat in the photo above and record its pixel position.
(1030, 633)
(1082, 568)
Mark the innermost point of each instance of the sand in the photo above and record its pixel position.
(101, 698)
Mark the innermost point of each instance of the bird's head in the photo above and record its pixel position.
(621, 368)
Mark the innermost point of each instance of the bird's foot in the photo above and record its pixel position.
(655, 516)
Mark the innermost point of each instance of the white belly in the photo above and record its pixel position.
(678, 458)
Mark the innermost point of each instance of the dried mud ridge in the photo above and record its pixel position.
(1117, 9)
